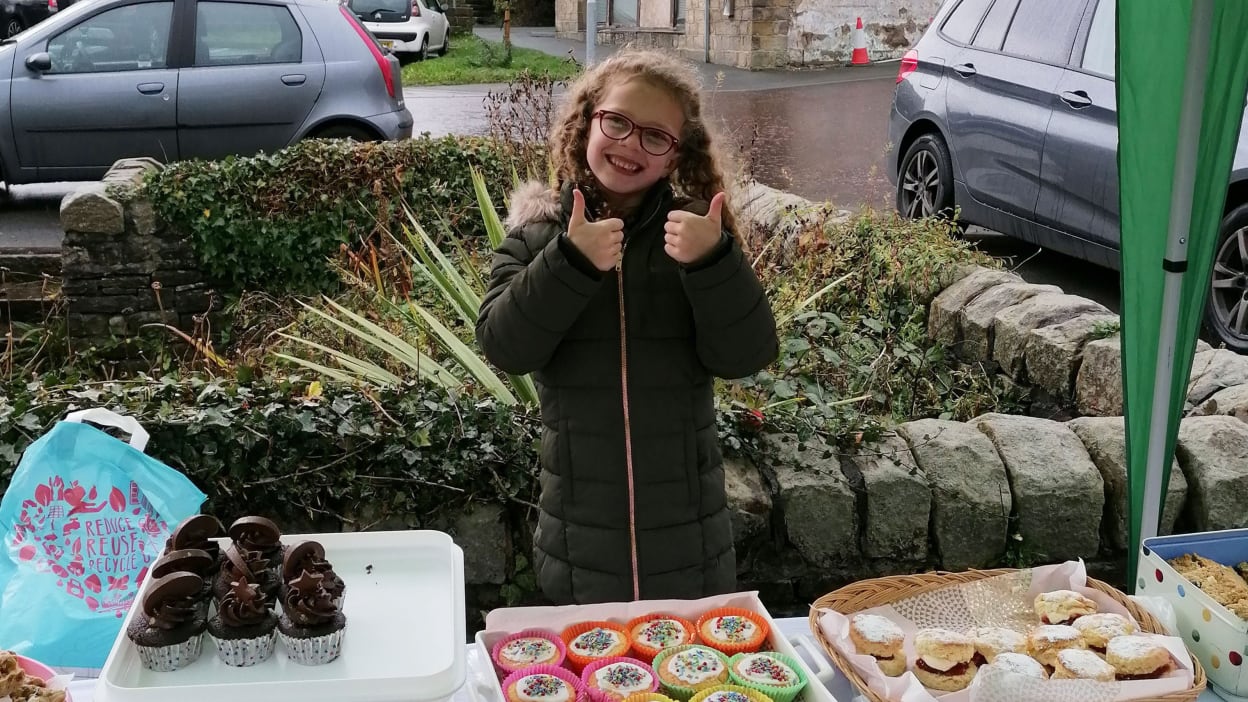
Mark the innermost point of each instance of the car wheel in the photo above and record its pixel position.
(424, 48)
(446, 44)
(345, 131)
(13, 27)
(1226, 310)
(925, 183)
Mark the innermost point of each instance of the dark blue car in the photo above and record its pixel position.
(1005, 113)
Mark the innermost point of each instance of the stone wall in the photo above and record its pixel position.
(821, 31)
(122, 269)
(1000, 490)
(1065, 348)
(772, 33)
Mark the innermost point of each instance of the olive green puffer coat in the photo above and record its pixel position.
(550, 313)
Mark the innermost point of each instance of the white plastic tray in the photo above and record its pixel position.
(485, 686)
(404, 640)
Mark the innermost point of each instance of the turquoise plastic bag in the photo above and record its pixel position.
(81, 522)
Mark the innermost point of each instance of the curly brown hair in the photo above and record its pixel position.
(700, 165)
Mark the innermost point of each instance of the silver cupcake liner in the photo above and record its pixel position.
(241, 653)
(317, 650)
(166, 659)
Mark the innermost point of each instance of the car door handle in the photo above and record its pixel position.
(966, 70)
(151, 88)
(1077, 99)
(294, 79)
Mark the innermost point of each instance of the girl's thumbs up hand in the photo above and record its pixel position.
(691, 237)
(601, 242)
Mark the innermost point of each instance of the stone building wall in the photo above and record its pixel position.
(770, 33)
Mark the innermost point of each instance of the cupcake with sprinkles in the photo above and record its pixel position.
(593, 641)
(527, 649)
(773, 674)
(730, 693)
(654, 632)
(616, 679)
(685, 671)
(542, 683)
(730, 630)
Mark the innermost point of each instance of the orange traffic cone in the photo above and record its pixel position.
(860, 57)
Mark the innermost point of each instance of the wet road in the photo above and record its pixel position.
(825, 139)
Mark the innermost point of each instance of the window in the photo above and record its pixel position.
(235, 34)
(964, 19)
(991, 33)
(130, 38)
(1099, 56)
(1044, 30)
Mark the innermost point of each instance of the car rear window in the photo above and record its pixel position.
(1044, 30)
(991, 34)
(964, 20)
(368, 7)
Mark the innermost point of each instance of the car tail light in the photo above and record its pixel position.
(52, 6)
(909, 64)
(415, 9)
(382, 63)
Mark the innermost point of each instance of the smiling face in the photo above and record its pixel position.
(624, 169)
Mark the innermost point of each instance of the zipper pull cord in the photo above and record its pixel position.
(628, 430)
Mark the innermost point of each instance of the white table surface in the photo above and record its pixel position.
(840, 687)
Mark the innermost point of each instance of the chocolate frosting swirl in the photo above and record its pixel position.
(261, 574)
(172, 600)
(235, 565)
(243, 605)
(307, 603)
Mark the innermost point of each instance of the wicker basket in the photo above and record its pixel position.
(881, 591)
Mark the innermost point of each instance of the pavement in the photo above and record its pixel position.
(718, 78)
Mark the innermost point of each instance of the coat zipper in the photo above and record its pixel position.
(628, 430)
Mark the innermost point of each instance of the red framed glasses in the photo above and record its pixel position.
(654, 141)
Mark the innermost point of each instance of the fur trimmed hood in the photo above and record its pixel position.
(533, 201)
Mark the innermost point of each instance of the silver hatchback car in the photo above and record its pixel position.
(182, 79)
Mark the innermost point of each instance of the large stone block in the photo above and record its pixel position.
(898, 501)
(1054, 353)
(1012, 326)
(1213, 371)
(971, 499)
(1232, 401)
(819, 507)
(1213, 452)
(1098, 388)
(1105, 440)
(943, 315)
(89, 210)
(1059, 496)
(748, 500)
(482, 533)
(978, 316)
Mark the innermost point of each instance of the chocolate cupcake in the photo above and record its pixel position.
(244, 628)
(197, 532)
(259, 534)
(310, 556)
(168, 631)
(311, 627)
(190, 560)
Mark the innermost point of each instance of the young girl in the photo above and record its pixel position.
(625, 293)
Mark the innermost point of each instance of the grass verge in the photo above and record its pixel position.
(475, 60)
